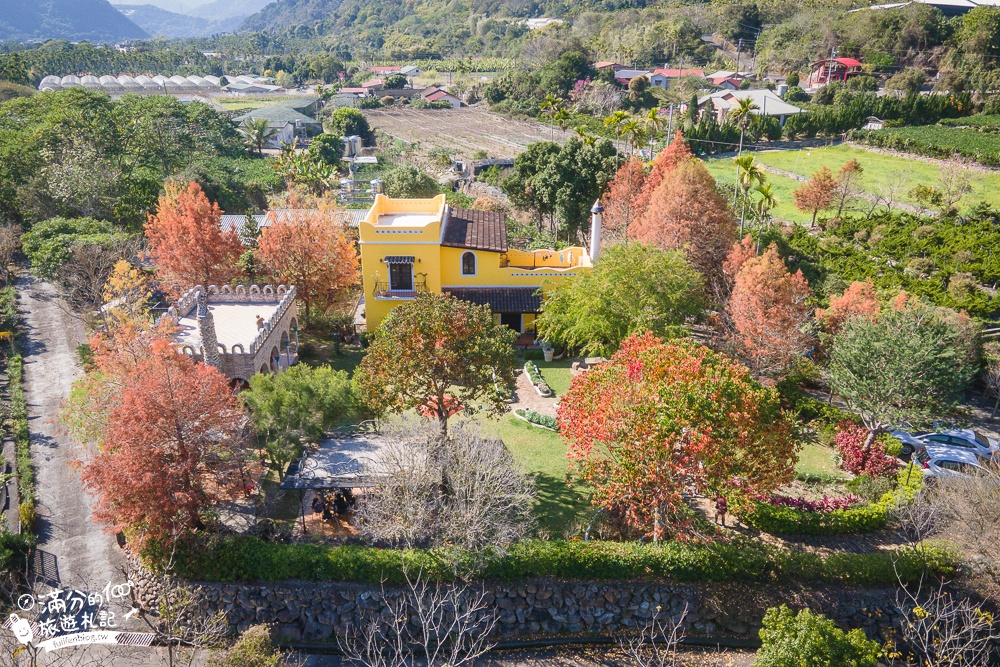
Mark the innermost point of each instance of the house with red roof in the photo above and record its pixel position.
(727, 83)
(664, 75)
(435, 94)
(832, 69)
(605, 64)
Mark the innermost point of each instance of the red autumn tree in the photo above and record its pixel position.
(309, 249)
(739, 254)
(858, 299)
(171, 447)
(686, 213)
(661, 418)
(666, 161)
(186, 241)
(768, 311)
(817, 194)
(621, 199)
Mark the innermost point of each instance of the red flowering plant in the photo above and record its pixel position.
(826, 504)
(859, 459)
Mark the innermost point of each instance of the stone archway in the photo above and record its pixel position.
(263, 368)
(274, 359)
(285, 348)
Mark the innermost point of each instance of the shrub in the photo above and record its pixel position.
(827, 504)
(254, 648)
(538, 418)
(536, 377)
(244, 558)
(811, 640)
(798, 519)
(874, 461)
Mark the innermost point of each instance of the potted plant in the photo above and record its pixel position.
(547, 350)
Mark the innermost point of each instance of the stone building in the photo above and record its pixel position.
(239, 330)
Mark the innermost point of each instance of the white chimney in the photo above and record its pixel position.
(595, 230)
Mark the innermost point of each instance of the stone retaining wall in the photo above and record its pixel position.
(305, 611)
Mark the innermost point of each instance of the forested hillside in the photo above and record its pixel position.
(94, 20)
(161, 23)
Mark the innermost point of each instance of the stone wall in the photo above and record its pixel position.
(312, 612)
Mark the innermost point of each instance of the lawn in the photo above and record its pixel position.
(879, 170)
(560, 507)
(819, 461)
(557, 374)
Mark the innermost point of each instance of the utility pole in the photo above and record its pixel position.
(670, 124)
(739, 47)
(829, 66)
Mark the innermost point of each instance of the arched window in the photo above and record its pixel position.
(468, 263)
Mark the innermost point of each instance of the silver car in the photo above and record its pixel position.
(942, 462)
(966, 439)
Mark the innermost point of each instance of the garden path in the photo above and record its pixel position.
(529, 399)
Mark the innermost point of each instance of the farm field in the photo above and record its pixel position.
(463, 131)
(940, 142)
(879, 170)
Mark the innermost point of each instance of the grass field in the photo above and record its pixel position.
(557, 374)
(817, 460)
(879, 170)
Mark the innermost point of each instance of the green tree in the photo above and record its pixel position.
(298, 406)
(811, 640)
(346, 122)
(257, 132)
(408, 181)
(633, 288)
(394, 82)
(327, 148)
(49, 244)
(439, 354)
(908, 364)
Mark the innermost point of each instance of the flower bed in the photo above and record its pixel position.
(537, 419)
(536, 379)
(795, 516)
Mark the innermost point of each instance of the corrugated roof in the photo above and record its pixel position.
(768, 103)
(278, 113)
(475, 229)
(500, 299)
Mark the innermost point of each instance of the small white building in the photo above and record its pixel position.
(721, 102)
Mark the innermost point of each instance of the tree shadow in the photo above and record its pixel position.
(560, 507)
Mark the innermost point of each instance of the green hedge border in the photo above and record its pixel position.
(19, 414)
(248, 559)
(865, 518)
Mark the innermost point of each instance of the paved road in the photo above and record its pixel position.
(73, 550)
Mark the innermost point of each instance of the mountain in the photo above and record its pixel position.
(284, 13)
(77, 20)
(225, 9)
(157, 21)
(175, 6)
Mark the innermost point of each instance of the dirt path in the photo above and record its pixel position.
(73, 550)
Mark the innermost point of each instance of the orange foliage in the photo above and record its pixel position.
(187, 244)
(309, 249)
(739, 254)
(687, 213)
(621, 199)
(661, 418)
(858, 299)
(171, 447)
(817, 194)
(665, 162)
(768, 310)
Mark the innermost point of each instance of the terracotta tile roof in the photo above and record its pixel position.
(501, 299)
(475, 229)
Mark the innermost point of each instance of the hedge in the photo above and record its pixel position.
(538, 418)
(244, 558)
(18, 414)
(777, 519)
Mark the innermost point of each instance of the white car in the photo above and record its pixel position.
(943, 462)
(966, 439)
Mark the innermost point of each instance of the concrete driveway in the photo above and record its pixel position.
(73, 550)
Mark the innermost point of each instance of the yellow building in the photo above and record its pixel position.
(410, 246)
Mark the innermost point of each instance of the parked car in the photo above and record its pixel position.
(942, 462)
(911, 441)
(964, 438)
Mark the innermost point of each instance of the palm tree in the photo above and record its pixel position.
(747, 174)
(764, 205)
(562, 118)
(632, 131)
(587, 138)
(256, 133)
(740, 116)
(652, 122)
(615, 121)
(549, 106)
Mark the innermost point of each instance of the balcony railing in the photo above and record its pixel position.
(384, 291)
